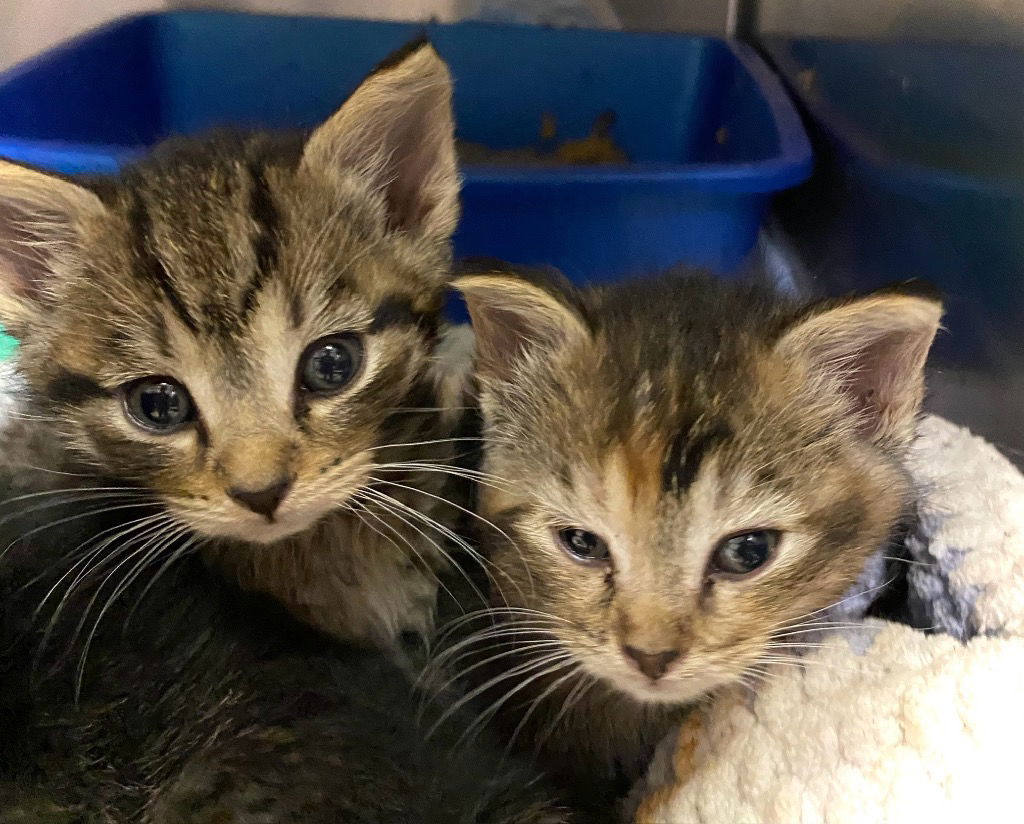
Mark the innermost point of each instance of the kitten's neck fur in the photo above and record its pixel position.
(596, 742)
(348, 575)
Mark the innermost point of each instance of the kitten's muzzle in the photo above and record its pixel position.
(652, 664)
(263, 501)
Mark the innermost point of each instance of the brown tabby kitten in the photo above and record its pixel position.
(686, 473)
(235, 345)
(244, 331)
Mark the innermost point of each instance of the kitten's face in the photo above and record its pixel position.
(682, 489)
(236, 326)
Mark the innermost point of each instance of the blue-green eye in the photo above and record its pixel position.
(160, 405)
(742, 554)
(330, 364)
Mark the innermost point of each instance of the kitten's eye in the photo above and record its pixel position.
(583, 545)
(158, 404)
(742, 554)
(329, 364)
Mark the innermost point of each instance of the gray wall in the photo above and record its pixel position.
(958, 20)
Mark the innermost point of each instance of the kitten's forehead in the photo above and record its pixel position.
(231, 242)
(207, 231)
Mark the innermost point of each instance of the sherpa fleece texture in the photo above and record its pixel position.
(885, 723)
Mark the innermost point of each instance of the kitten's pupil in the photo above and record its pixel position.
(331, 363)
(584, 545)
(159, 404)
(744, 553)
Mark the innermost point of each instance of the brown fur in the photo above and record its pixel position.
(217, 262)
(665, 415)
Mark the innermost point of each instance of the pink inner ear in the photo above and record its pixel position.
(501, 335)
(408, 206)
(23, 263)
(419, 150)
(884, 379)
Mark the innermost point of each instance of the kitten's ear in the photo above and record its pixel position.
(397, 131)
(874, 348)
(515, 316)
(40, 219)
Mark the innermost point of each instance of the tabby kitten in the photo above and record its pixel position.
(684, 474)
(235, 345)
(244, 331)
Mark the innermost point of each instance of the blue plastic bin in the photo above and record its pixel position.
(922, 146)
(709, 130)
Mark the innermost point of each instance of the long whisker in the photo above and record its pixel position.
(556, 663)
(858, 594)
(517, 649)
(478, 476)
(493, 636)
(538, 701)
(148, 551)
(141, 527)
(495, 612)
(423, 443)
(71, 490)
(520, 669)
(473, 515)
(193, 542)
(366, 512)
(820, 626)
(388, 504)
(50, 471)
(125, 552)
(587, 683)
(68, 519)
(84, 555)
(68, 500)
(519, 630)
(398, 409)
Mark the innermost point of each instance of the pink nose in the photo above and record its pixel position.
(652, 664)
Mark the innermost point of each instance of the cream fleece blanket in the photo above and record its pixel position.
(885, 723)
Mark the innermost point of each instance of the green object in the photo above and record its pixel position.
(7, 345)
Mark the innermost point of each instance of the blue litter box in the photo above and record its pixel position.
(922, 160)
(710, 132)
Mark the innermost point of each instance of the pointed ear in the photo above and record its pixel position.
(515, 317)
(398, 133)
(40, 218)
(874, 349)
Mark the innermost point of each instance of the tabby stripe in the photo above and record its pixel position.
(398, 311)
(686, 453)
(267, 219)
(150, 267)
(73, 389)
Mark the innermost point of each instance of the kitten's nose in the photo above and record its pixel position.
(262, 501)
(651, 664)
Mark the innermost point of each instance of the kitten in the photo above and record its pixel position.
(243, 331)
(233, 346)
(683, 474)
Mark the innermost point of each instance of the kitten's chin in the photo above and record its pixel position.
(268, 532)
(255, 530)
(665, 691)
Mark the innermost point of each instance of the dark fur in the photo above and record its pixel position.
(208, 706)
